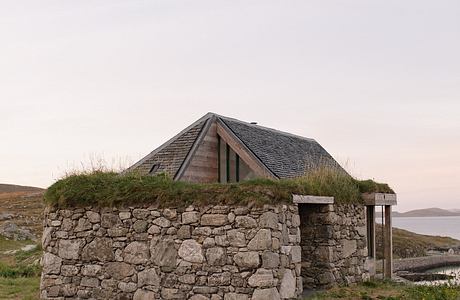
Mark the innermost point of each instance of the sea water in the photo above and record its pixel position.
(440, 226)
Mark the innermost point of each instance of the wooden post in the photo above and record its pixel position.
(388, 244)
(371, 240)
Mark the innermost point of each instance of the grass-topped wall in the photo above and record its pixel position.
(111, 189)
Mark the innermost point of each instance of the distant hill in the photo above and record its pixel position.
(427, 212)
(12, 188)
(409, 244)
(22, 205)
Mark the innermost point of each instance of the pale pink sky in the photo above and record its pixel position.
(377, 83)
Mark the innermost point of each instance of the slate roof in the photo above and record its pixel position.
(285, 155)
(169, 157)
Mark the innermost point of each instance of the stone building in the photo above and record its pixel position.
(222, 252)
(222, 149)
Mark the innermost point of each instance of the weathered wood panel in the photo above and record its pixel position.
(203, 165)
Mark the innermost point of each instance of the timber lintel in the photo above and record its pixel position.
(307, 199)
(379, 199)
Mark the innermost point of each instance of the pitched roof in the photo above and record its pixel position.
(169, 157)
(285, 155)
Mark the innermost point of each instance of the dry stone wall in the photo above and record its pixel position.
(334, 245)
(145, 253)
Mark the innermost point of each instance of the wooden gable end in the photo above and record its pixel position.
(202, 163)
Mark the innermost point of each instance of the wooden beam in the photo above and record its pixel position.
(246, 155)
(307, 199)
(388, 244)
(380, 199)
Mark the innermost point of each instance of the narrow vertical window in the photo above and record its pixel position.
(218, 160)
(237, 167)
(227, 159)
(370, 230)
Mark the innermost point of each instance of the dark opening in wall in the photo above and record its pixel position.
(315, 235)
(370, 224)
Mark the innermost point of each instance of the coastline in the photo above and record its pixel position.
(424, 263)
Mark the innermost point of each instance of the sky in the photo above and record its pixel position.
(377, 83)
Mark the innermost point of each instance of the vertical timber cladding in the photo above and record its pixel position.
(203, 167)
(333, 241)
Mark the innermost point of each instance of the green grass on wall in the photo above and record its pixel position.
(113, 189)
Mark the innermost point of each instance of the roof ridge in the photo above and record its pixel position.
(264, 127)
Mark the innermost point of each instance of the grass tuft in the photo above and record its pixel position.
(387, 290)
(370, 186)
(19, 271)
(107, 189)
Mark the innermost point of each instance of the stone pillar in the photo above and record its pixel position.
(388, 244)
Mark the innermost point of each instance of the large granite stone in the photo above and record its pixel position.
(170, 214)
(262, 278)
(214, 220)
(127, 287)
(90, 282)
(235, 296)
(99, 249)
(162, 222)
(141, 213)
(236, 238)
(109, 220)
(144, 295)
(148, 277)
(266, 294)
(191, 251)
(51, 263)
(269, 220)
(91, 270)
(69, 249)
(69, 270)
(164, 253)
(261, 241)
(119, 270)
(288, 285)
(136, 253)
(270, 260)
(349, 247)
(140, 226)
(190, 217)
(216, 256)
(245, 222)
(46, 236)
(83, 225)
(247, 260)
